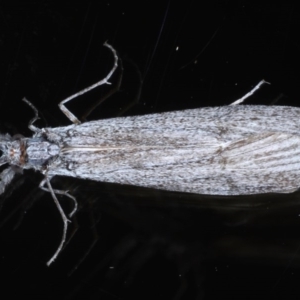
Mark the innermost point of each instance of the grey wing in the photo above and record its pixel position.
(225, 150)
(261, 163)
(218, 124)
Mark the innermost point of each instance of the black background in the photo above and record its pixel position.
(151, 244)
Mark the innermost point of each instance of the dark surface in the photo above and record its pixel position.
(151, 244)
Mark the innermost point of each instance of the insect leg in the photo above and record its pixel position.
(62, 106)
(135, 99)
(36, 116)
(249, 94)
(106, 96)
(64, 218)
(62, 213)
(60, 192)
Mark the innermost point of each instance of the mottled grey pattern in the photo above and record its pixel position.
(230, 150)
(226, 150)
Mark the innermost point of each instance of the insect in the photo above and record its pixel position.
(229, 150)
